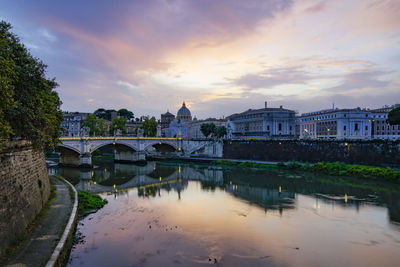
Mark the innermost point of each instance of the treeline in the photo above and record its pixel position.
(29, 106)
(99, 124)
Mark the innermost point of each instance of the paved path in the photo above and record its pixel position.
(39, 248)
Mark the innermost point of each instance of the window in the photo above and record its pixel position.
(280, 127)
(356, 127)
(344, 128)
(267, 127)
(366, 127)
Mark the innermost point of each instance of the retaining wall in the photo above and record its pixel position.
(379, 153)
(24, 189)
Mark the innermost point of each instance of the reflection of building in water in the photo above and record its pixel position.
(269, 199)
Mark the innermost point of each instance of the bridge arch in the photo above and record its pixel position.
(112, 142)
(156, 144)
(63, 146)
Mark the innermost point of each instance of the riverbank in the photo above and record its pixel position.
(48, 228)
(331, 168)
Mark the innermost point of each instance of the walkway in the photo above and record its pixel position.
(39, 248)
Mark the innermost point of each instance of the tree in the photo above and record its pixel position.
(96, 125)
(118, 123)
(207, 129)
(104, 113)
(29, 106)
(220, 131)
(123, 112)
(394, 116)
(149, 127)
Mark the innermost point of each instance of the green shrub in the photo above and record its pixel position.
(88, 201)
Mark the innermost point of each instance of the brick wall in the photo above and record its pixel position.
(24, 189)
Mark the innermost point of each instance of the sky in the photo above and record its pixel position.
(220, 57)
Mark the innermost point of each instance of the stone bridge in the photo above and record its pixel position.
(76, 151)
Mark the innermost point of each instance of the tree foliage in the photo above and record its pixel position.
(394, 116)
(104, 113)
(220, 131)
(207, 129)
(97, 126)
(123, 112)
(149, 127)
(118, 123)
(29, 106)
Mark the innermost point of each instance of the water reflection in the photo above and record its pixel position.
(269, 190)
(170, 214)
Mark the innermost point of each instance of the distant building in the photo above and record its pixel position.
(336, 124)
(184, 113)
(380, 128)
(262, 123)
(179, 127)
(72, 123)
(166, 118)
(194, 127)
(131, 126)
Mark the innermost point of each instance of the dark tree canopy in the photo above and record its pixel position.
(220, 131)
(394, 116)
(29, 106)
(123, 112)
(207, 129)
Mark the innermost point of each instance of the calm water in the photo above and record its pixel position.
(193, 215)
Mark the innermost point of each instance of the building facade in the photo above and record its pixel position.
(336, 124)
(72, 123)
(166, 119)
(380, 128)
(179, 127)
(265, 123)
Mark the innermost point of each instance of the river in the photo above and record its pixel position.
(170, 214)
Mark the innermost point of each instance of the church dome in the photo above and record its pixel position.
(184, 113)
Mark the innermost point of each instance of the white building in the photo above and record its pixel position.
(380, 128)
(336, 124)
(72, 123)
(264, 123)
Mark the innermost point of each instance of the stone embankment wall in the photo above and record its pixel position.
(24, 189)
(378, 153)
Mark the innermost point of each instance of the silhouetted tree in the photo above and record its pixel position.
(394, 116)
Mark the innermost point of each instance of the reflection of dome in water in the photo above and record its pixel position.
(184, 113)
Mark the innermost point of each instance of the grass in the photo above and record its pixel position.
(332, 168)
(88, 201)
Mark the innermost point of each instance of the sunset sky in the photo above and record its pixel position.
(221, 57)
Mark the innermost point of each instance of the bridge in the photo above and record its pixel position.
(77, 151)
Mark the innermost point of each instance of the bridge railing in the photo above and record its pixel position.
(118, 138)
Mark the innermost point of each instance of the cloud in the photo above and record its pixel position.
(273, 77)
(361, 80)
(316, 8)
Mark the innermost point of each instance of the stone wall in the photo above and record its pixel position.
(24, 189)
(378, 153)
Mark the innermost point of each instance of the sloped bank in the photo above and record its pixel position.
(369, 152)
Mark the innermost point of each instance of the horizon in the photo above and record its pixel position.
(220, 58)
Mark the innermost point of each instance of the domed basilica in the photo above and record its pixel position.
(184, 113)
